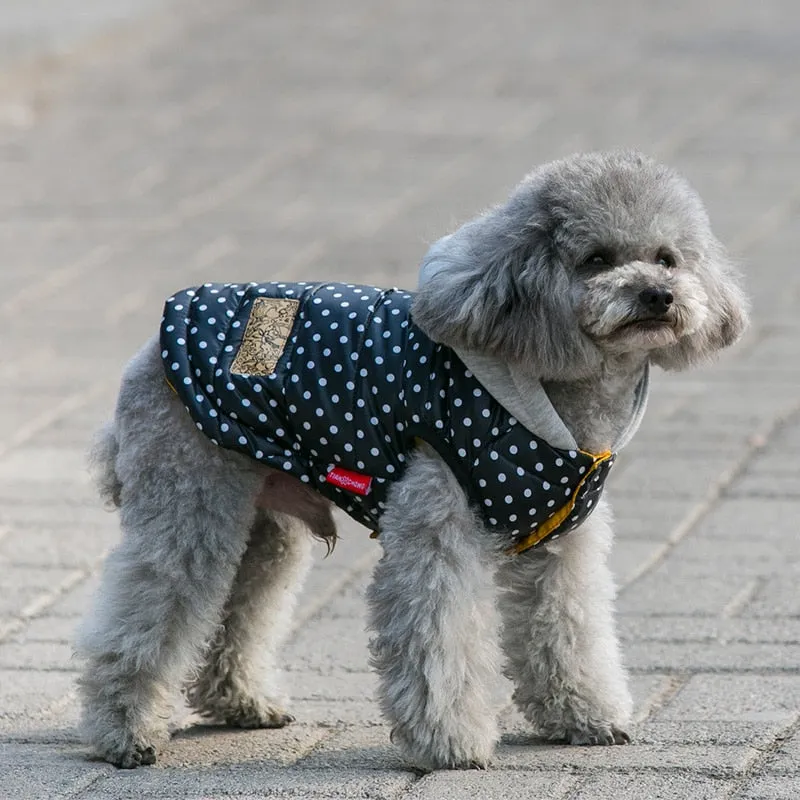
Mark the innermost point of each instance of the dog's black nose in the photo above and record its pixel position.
(656, 301)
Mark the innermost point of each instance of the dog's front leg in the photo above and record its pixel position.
(559, 639)
(432, 609)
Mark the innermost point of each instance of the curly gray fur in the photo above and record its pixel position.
(594, 267)
(514, 283)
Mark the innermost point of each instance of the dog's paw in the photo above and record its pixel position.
(599, 735)
(139, 755)
(448, 753)
(479, 765)
(253, 714)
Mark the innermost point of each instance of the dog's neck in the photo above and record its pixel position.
(598, 409)
(595, 413)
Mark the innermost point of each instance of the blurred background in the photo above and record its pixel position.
(148, 145)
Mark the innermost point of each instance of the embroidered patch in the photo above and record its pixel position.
(269, 327)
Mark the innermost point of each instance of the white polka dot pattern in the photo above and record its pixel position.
(356, 383)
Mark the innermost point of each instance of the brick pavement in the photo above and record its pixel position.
(249, 141)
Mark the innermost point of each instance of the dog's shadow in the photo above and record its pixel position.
(306, 746)
(317, 747)
(526, 740)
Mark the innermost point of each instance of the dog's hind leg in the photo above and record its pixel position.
(433, 613)
(559, 639)
(186, 509)
(238, 682)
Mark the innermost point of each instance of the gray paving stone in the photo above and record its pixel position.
(628, 556)
(37, 655)
(669, 477)
(309, 685)
(207, 746)
(708, 629)
(775, 596)
(786, 758)
(744, 698)
(663, 593)
(698, 555)
(781, 484)
(661, 786)
(357, 747)
(740, 518)
(46, 546)
(44, 517)
(712, 656)
(710, 732)
(44, 465)
(45, 629)
(718, 761)
(645, 517)
(253, 780)
(51, 729)
(27, 693)
(330, 645)
(75, 602)
(26, 587)
(350, 604)
(521, 785)
(770, 787)
(46, 771)
(336, 713)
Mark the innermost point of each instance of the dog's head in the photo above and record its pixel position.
(591, 257)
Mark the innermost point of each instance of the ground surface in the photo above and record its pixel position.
(146, 147)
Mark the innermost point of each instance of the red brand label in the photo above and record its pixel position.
(350, 481)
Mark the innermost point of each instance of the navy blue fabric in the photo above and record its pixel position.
(356, 384)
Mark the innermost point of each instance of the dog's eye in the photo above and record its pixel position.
(665, 259)
(598, 260)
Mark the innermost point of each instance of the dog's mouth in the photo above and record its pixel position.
(646, 332)
(646, 324)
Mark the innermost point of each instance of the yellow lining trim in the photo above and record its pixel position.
(549, 525)
(174, 390)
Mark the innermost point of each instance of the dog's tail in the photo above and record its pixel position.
(103, 465)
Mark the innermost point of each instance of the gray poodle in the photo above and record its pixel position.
(471, 426)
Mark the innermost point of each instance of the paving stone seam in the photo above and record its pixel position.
(46, 600)
(45, 669)
(740, 600)
(195, 205)
(662, 696)
(304, 257)
(70, 404)
(590, 770)
(723, 640)
(344, 579)
(92, 779)
(763, 756)
(758, 441)
(706, 670)
(762, 495)
(56, 279)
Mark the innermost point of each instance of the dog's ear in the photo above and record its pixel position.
(727, 310)
(496, 287)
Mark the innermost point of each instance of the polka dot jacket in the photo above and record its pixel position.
(334, 384)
